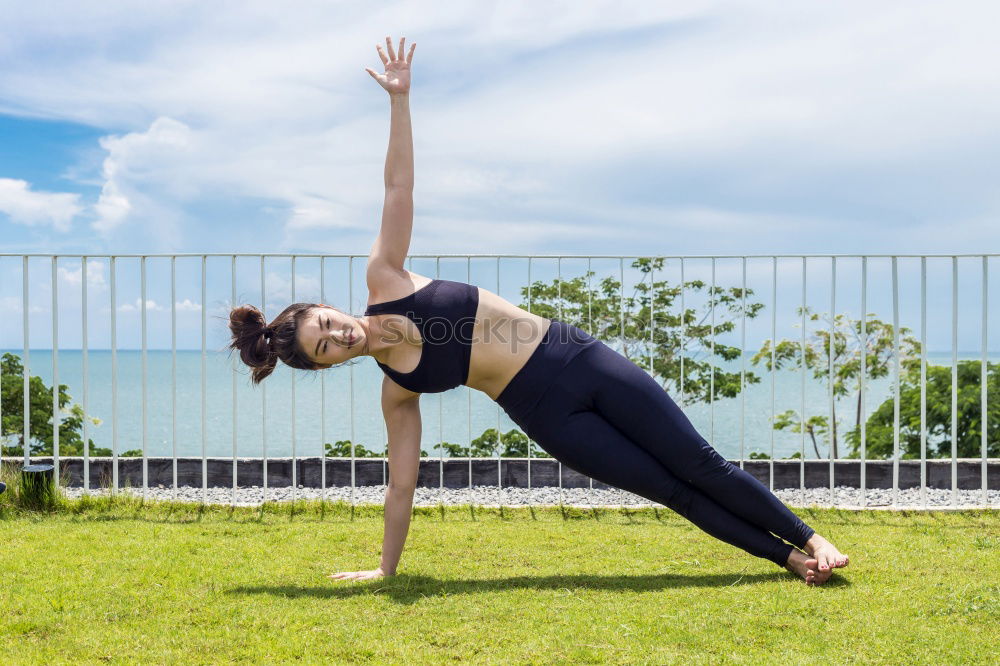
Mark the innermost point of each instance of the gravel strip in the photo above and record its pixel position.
(845, 497)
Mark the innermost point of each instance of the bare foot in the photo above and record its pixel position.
(805, 567)
(827, 556)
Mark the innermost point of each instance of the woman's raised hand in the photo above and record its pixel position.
(396, 79)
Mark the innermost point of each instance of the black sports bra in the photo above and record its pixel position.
(445, 314)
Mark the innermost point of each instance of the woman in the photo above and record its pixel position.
(585, 404)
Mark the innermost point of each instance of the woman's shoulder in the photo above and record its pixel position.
(389, 284)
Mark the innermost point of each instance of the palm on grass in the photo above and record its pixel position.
(357, 575)
(396, 79)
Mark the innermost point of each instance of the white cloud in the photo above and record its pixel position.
(12, 305)
(279, 289)
(311, 213)
(136, 306)
(152, 306)
(528, 112)
(188, 306)
(134, 159)
(72, 277)
(33, 208)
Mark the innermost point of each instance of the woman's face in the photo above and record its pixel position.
(330, 336)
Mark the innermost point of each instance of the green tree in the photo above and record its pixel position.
(848, 349)
(455, 450)
(40, 405)
(342, 449)
(880, 425)
(654, 327)
(759, 455)
(511, 444)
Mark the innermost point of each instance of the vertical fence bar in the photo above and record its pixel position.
(145, 369)
(652, 317)
(832, 453)
(2, 438)
(923, 381)
(529, 436)
(204, 382)
(864, 370)
(295, 462)
(983, 411)
(263, 386)
(711, 381)
(440, 401)
(683, 331)
(468, 399)
(114, 378)
(350, 375)
(26, 421)
(55, 370)
(173, 366)
(86, 372)
(499, 480)
(559, 301)
(322, 388)
(774, 343)
(802, 407)
(621, 309)
(621, 299)
(954, 380)
(232, 283)
(895, 398)
(590, 330)
(743, 359)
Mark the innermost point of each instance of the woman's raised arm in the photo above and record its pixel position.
(393, 242)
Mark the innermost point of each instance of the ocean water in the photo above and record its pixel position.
(305, 409)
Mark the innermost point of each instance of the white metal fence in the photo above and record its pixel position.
(825, 266)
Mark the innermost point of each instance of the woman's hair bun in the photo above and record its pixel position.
(251, 337)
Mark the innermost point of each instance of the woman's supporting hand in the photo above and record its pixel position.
(396, 79)
(358, 575)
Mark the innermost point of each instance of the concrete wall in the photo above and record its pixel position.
(513, 472)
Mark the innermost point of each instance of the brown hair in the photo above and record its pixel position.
(261, 344)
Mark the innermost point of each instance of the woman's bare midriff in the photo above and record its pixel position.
(503, 339)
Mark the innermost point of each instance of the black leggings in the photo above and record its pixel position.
(601, 415)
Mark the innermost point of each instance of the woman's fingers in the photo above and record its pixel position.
(395, 55)
(348, 574)
(355, 575)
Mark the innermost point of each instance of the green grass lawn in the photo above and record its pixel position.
(98, 581)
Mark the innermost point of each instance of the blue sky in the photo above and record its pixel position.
(559, 127)
(579, 127)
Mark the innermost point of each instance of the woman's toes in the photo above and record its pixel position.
(823, 562)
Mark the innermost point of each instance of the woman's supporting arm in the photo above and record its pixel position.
(403, 424)
(401, 409)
